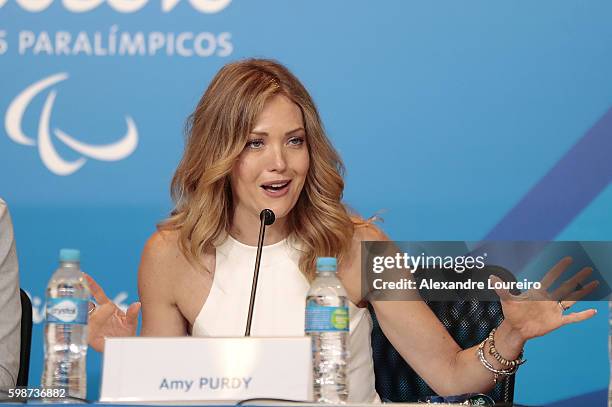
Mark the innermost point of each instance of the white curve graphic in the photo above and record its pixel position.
(47, 152)
(127, 6)
(110, 152)
(15, 111)
(210, 6)
(2, 2)
(34, 6)
(204, 6)
(81, 6)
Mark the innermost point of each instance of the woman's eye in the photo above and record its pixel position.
(254, 144)
(296, 141)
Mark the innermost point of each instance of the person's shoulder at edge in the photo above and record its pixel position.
(6, 227)
(3, 209)
(10, 316)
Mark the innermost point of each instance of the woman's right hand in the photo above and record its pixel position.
(107, 319)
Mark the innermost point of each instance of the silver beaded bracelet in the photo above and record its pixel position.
(513, 365)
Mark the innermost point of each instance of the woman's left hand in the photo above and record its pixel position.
(537, 312)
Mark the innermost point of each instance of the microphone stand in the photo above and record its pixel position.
(266, 218)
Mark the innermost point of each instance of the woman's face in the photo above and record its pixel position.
(272, 168)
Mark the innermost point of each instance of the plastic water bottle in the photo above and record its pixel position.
(327, 323)
(66, 328)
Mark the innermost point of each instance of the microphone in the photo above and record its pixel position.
(266, 218)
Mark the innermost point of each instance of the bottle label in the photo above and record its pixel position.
(320, 318)
(67, 310)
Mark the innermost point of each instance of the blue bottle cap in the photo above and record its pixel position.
(326, 264)
(70, 255)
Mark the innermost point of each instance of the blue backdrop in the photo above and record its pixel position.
(458, 120)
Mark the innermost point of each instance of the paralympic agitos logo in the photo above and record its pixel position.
(46, 150)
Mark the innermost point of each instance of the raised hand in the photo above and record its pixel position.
(537, 312)
(106, 319)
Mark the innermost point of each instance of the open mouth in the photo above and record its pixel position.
(275, 187)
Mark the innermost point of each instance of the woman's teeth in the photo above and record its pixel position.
(275, 187)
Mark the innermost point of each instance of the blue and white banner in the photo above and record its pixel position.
(456, 121)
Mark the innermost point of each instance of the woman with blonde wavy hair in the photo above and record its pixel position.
(255, 141)
(219, 131)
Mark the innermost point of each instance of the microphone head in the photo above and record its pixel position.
(267, 216)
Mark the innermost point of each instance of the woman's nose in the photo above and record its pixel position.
(278, 160)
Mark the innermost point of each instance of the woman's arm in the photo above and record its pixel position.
(424, 343)
(160, 316)
(417, 334)
(421, 339)
(161, 259)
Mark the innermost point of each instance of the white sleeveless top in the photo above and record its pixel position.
(279, 306)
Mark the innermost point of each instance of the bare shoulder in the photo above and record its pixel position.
(163, 238)
(162, 250)
(366, 230)
(158, 256)
(162, 258)
(350, 271)
(172, 288)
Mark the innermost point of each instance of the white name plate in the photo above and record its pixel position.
(200, 369)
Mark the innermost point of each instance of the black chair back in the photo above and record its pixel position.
(468, 321)
(26, 339)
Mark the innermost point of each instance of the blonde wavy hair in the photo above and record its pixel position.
(216, 134)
